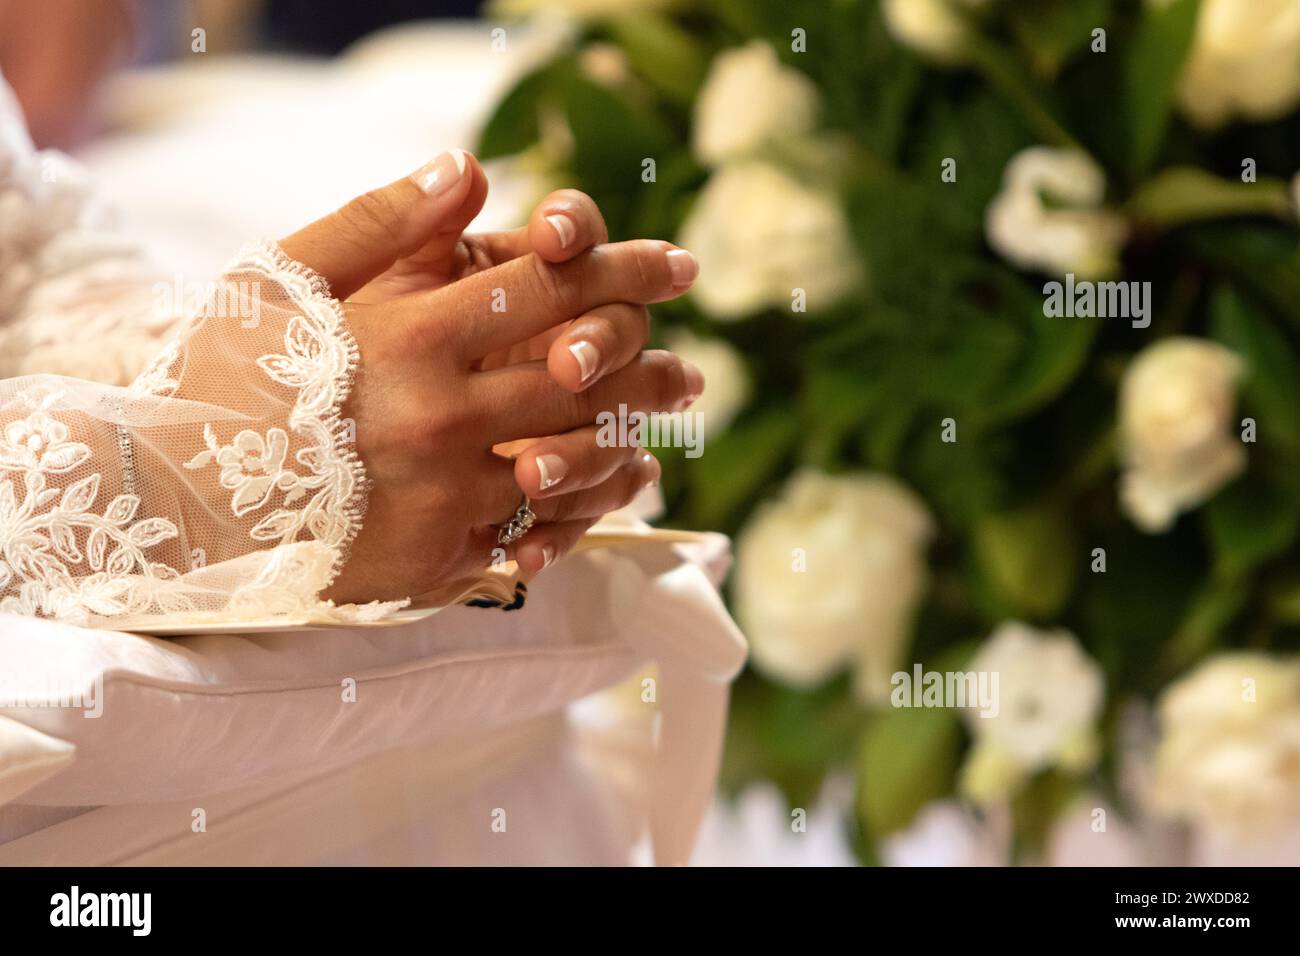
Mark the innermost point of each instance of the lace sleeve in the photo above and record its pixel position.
(221, 484)
(76, 296)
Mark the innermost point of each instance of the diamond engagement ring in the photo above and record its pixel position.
(518, 526)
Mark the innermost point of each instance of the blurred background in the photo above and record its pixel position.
(926, 465)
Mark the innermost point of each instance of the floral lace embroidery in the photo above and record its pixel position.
(39, 534)
(319, 361)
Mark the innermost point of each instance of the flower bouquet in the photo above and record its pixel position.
(999, 309)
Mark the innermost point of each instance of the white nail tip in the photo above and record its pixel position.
(563, 228)
(587, 357)
(545, 480)
(548, 555)
(434, 178)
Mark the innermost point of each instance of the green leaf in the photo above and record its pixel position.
(1055, 353)
(513, 126)
(963, 480)
(1211, 610)
(611, 137)
(1284, 598)
(1271, 383)
(666, 55)
(835, 401)
(789, 736)
(1262, 262)
(1153, 65)
(1251, 522)
(1184, 194)
(982, 132)
(908, 758)
(1036, 808)
(1036, 105)
(1028, 556)
(1054, 30)
(737, 463)
(972, 362)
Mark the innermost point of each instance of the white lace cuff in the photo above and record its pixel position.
(222, 485)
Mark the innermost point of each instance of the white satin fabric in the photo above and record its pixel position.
(468, 717)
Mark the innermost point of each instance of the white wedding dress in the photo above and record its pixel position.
(161, 464)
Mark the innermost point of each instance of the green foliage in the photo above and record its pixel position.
(1052, 31)
(1153, 62)
(667, 55)
(1182, 194)
(908, 757)
(792, 737)
(943, 328)
(1271, 380)
(1029, 558)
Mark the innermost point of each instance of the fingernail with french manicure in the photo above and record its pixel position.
(548, 555)
(440, 173)
(551, 469)
(652, 468)
(683, 268)
(588, 357)
(563, 227)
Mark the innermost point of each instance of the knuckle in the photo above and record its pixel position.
(558, 287)
(649, 266)
(373, 215)
(426, 333)
(440, 422)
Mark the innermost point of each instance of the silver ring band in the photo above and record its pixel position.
(518, 526)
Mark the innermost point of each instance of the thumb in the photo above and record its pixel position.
(352, 245)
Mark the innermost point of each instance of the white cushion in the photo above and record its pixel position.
(201, 715)
(192, 718)
(27, 757)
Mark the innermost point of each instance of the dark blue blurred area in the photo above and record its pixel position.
(309, 26)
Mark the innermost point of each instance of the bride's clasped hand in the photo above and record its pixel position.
(469, 342)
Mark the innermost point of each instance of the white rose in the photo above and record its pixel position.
(1229, 755)
(937, 29)
(725, 373)
(830, 575)
(1244, 62)
(1176, 439)
(947, 833)
(750, 99)
(759, 234)
(1074, 234)
(1049, 694)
